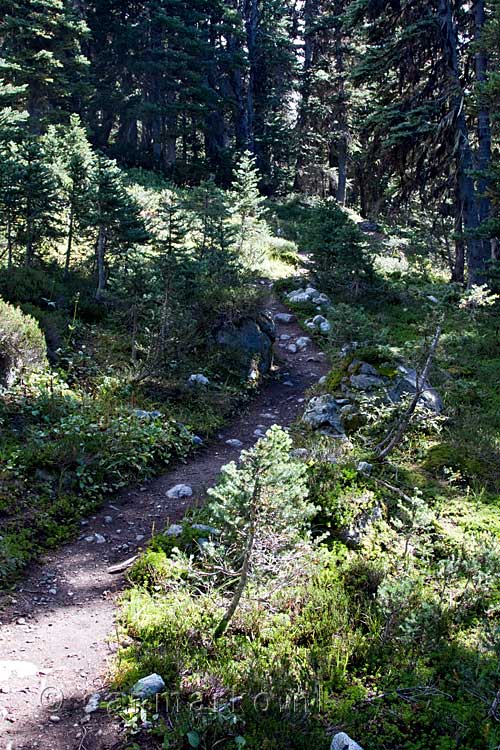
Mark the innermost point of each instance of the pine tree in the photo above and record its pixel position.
(261, 508)
(245, 199)
(213, 235)
(76, 162)
(11, 118)
(115, 218)
(416, 65)
(41, 50)
(40, 207)
(12, 175)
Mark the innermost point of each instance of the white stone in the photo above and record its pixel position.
(292, 348)
(99, 539)
(321, 299)
(364, 467)
(311, 292)
(179, 491)
(148, 686)
(322, 380)
(284, 318)
(175, 529)
(198, 379)
(342, 741)
(234, 443)
(299, 297)
(93, 703)
(205, 528)
(302, 342)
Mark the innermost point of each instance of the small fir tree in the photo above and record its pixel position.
(40, 199)
(114, 215)
(76, 163)
(261, 507)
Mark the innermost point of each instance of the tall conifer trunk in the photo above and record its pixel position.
(483, 122)
(466, 193)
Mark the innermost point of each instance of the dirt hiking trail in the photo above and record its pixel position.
(57, 626)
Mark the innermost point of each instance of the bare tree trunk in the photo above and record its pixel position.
(134, 335)
(100, 259)
(28, 258)
(69, 243)
(310, 9)
(342, 137)
(251, 24)
(483, 122)
(9, 242)
(342, 167)
(170, 146)
(466, 193)
(458, 270)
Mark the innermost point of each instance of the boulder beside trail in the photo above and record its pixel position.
(198, 379)
(309, 294)
(249, 342)
(178, 491)
(406, 383)
(323, 412)
(354, 535)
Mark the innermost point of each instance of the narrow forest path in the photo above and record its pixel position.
(60, 620)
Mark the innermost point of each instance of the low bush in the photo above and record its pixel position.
(284, 250)
(62, 454)
(22, 344)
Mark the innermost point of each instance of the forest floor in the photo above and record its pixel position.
(58, 626)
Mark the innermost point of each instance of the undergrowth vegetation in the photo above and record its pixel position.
(381, 618)
(95, 386)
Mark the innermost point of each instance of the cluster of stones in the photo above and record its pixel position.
(337, 414)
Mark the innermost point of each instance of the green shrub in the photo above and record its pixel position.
(336, 246)
(332, 490)
(59, 455)
(280, 249)
(350, 323)
(444, 456)
(22, 345)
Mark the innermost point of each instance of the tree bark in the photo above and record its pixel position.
(310, 10)
(251, 25)
(9, 241)
(69, 244)
(342, 137)
(458, 269)
(483, 122)
(466, 194)
(100, 260)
